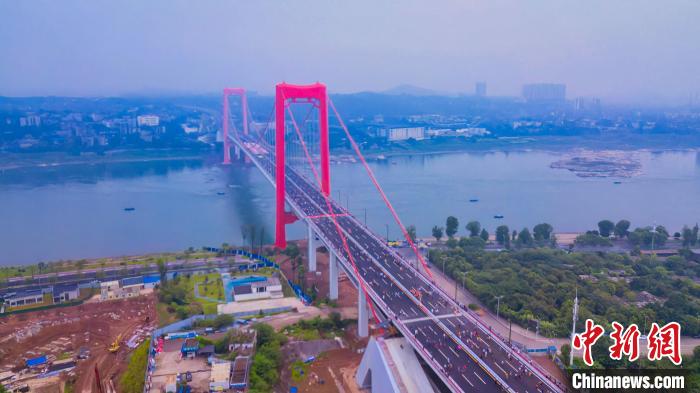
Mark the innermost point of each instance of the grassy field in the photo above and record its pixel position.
(210, 285)
(214, 287)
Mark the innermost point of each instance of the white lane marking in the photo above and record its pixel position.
(477, 375)
(511, 366)
(468, 381)
(453, 351)
(501, 368)
(482, 340)
(443, 354)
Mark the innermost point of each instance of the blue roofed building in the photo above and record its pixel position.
(189, 348)
(150, 282)
(36, 362)
(24, 298)
(65, 293)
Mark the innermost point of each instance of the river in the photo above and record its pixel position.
(77, 211)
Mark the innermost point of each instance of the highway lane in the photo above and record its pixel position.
(491, 349)
(497, 355)
(470, 356)
(454, 362)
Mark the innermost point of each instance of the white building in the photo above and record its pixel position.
(220, 378)
(25, 298)
(148, 120)
(127, 287)
(404, 133)
(270, 288)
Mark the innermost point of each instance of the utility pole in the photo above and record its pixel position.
(387, 233)
(365, 216)
(456, 284)
(498, 307)
(573, 329)
(510, 330)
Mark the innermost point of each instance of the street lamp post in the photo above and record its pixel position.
(387, 233)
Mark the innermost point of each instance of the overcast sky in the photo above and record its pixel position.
(615, 49)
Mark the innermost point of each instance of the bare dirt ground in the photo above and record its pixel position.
(61, 332)
(170, 363)
(332, 371)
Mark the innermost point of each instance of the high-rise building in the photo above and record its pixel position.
(480, 89)
(587, 104)
(148, 120)
(404, 133)
(544, 92)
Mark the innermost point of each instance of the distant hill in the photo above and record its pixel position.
(411, 90)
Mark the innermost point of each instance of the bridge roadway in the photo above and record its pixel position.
(463, 352)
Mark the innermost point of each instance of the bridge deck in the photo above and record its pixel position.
(463, 352)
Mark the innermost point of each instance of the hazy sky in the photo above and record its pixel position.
(614, 49)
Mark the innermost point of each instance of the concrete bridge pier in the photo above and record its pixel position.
(333, 275)
(312, 249)
(362, 328)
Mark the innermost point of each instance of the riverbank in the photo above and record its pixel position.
(15, 161)
(542, 143)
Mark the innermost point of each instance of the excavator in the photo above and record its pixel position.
(115, 345)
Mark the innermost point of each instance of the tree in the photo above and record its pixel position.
(132, 380)
(292, 250)
(471, 243)
(622, 228)
(437, 233)
(300, 276)
(515, 235)
(411, 230)
(223, 320)
(605, 227)
(473, 227)
(687, 236)
(451, 226)
(502, 234)
(525, 238)
(484, 235)
(695, 238)
(542, 231)
(162, 270)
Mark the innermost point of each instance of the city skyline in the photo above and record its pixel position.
(622, 52)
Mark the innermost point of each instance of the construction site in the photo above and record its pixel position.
(42, 351)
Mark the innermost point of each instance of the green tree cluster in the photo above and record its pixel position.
(264, 372)
(132, 381)
(539, 283)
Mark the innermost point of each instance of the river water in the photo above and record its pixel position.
(77, 211)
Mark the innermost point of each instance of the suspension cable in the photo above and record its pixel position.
(379, 188)
(331, 211)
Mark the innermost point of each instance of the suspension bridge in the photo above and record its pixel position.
(292, 151)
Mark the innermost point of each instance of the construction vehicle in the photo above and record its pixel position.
(115, 345)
